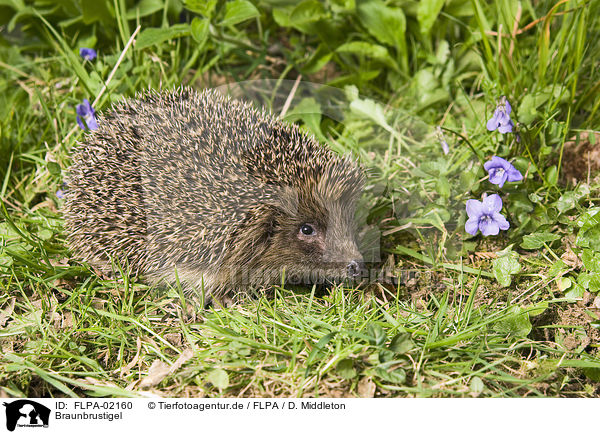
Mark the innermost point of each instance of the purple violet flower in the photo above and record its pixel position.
(87, 53)
(501, 119)
(85, 112)
(60, 194)
(501, 171)
(485, 216)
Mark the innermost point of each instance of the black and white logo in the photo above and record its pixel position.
(24, 413)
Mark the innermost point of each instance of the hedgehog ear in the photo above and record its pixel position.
(263, 227)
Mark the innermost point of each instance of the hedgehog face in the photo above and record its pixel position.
(313, 241)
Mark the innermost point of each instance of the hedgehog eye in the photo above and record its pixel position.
(307, 229)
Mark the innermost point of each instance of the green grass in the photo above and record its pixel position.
(513, 315)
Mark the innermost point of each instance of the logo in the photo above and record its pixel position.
(26, 413)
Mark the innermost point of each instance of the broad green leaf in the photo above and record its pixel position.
(551, 175)
(576, 292)
(306, 14)
(53, 168)
(590, 219)
(564, 283)
(374, 51)
(370, 109)
(592, 373)
(401, 343)
(594, 284)
(476, 385)
(589, 230)
(345, 369)
(318, 347)
(282, 16)
(309, 110)
(94, 10)
(591, 260)
(238, 11)
(505, 266)
(17, 5)
(202, 7)
(557, 268)
(318, 60)
(145, 8)
(589, 281)
(570, 199)
(537, 240)
(427, 13)
(199, 29)
(386, 24)
(218, 378)
(517, 324)
(45, 234)
(538, 308)
(397, 376)
(153, 36)
(377, 333)
(442, 186)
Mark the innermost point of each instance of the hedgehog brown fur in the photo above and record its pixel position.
(208, 186)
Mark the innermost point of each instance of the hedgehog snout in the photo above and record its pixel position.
(355, 268)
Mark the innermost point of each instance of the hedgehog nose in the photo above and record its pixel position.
(355, 268)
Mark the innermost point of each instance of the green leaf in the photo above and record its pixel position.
(53, 168)
(576, 292)
(476, 385)
(153, 36)
(238, 11)
(309, 110)
(397, 376)
(45, 234)
(318, 60)
(427, 13)
(145, 8)
(590, 219)
(594, 283)
(505, 266)
(517, 324)
(202, 7)
(370, 109)
(551, 175)
(377, 333)
(442, 186)
(592, 373)
(590, 280)
(374, 51)
(538, 239)
(527, 109)
(589, 230)
(570, 199)
(564, 283)
(94, 10)
(218, 378)
(401, 343)
(538, 308)
(306, 14)
(386, 24)
(345, 369)
(282, 16)
(321, 343)
(591, 260)
(199, 29)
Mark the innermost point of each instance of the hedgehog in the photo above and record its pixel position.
(202, 190)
